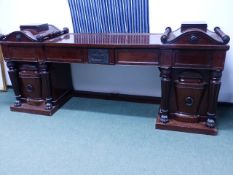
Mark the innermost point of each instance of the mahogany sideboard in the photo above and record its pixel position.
(190, 59)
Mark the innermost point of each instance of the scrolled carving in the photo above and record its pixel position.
(2, 37)
(54, 34)
(194, 34)
(165, 36)
(223, 36)
(20, 36)
(32, 35)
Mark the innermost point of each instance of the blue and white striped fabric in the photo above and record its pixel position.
(110, 16)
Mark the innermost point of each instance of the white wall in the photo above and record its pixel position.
(126, 79)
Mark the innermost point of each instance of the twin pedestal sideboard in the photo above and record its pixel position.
(190, 59)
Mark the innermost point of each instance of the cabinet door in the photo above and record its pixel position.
(30, 81)
(190, 88)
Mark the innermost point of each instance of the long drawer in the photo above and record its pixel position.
(23, 53)
(137, 56)
(65, 54)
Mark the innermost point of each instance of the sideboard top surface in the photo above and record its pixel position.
(189, 36)
(108, 39)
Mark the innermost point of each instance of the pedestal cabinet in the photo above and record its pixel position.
(40, 88)
(191, 81)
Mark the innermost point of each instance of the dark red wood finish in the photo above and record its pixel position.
(190, 60)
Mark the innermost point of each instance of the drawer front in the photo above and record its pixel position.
(137, 56)
(65, 54)
(23, 53)
(190, 58)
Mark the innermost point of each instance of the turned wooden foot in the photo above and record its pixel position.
(164, 116)
(211, 121)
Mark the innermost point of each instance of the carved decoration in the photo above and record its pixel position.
(34, 34)
(2, 37)
(194, 34)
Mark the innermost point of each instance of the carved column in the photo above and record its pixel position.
(45, 78)
(214, 87)
(14, 75)
(165, 74)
